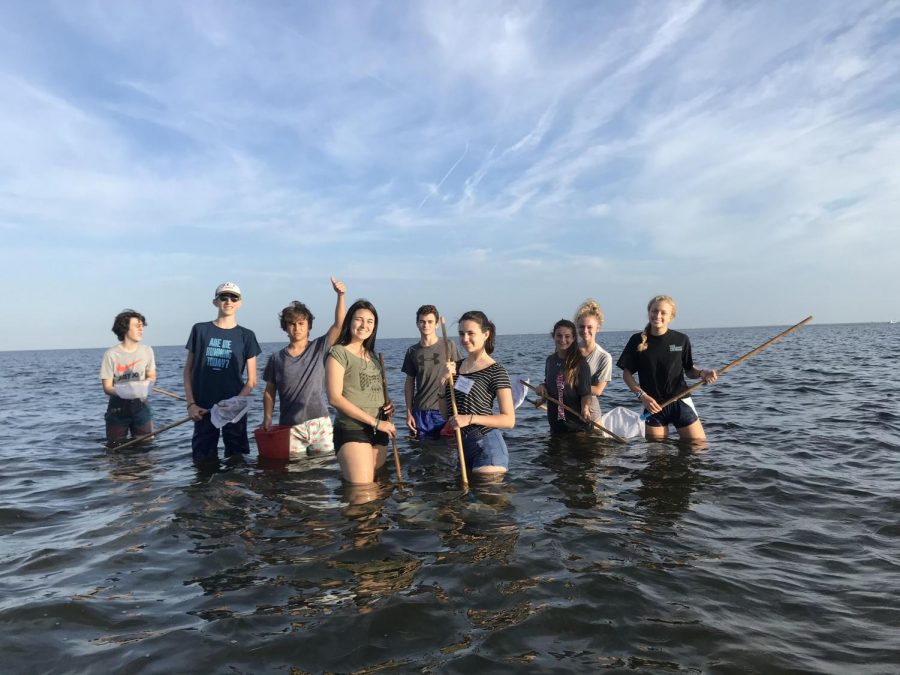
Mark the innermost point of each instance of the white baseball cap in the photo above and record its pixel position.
(228, 287)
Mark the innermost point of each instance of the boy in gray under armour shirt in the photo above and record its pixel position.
(423, 365)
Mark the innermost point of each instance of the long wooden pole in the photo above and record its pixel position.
(139, 439)
(459, 442)
(387, 399)
(537, 404)
(596, 425)
(725, 369)
(169, 393)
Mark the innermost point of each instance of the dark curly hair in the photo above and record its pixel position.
(296, 310)
(123, 320)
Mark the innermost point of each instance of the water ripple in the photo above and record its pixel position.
(774, 550)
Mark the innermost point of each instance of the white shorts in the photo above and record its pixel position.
(312, 436)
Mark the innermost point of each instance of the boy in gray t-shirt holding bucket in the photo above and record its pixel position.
(423, 365)
(297, 374)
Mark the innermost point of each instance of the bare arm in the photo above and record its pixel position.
(597, 389)
(707, 376)
(194, 410)
(268, 405)
(150, 373)
(251, 377)
(408, 388)
(444, 401)
(340, 311)
(334, 388)
(444, 405)
(646, 400)
(586, 406)
(505, 419)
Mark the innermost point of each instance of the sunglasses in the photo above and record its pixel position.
(228, 296)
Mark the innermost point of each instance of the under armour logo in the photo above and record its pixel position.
(435, 359)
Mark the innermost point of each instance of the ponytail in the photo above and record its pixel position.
(643, 346)
(486, 327)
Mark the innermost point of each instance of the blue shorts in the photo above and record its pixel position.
(428, 423)
(679, 414)
(487, 450)
(205, 442)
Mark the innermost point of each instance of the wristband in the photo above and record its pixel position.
(375, 425)
(639, 394)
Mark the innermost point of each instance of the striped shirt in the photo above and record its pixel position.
(481, 397)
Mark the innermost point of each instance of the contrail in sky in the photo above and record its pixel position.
(446, 176)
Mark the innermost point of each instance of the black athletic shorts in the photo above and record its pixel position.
(679, 414)
(364, 435)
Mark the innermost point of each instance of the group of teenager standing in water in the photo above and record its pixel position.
(342, 367)
(576, 373)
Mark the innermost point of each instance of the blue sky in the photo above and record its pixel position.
(511, 157)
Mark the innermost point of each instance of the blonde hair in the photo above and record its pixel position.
(657, 298)
(589, 307)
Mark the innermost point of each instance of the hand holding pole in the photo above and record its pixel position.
(387, 400)
(459, 442)
(725, 369)
(562, 405)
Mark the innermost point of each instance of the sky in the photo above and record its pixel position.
(743, 157)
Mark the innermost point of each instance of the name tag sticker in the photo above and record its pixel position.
(464, 384)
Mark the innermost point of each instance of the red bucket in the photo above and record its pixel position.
(274, 443)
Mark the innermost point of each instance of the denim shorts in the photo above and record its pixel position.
(487, 450)
(124, 415)
(679, 414)
(428, 423)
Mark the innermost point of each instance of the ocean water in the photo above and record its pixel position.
(774, 550)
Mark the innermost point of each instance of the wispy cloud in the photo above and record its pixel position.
(571, 144)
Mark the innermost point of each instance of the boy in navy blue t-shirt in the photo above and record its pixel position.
(218, 352)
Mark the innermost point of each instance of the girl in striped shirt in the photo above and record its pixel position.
(479, 381)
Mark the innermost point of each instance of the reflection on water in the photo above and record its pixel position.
(137, 465)
(575, 461)
(667, 481)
